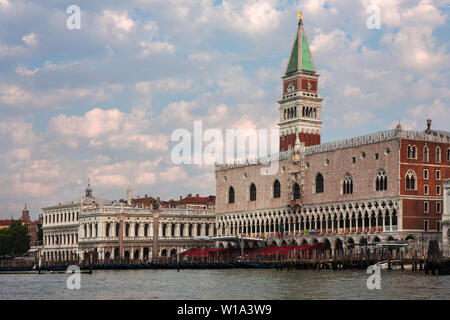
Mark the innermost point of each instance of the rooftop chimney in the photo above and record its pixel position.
(428, 125)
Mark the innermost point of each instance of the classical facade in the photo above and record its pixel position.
(117, 230)
(382, 186)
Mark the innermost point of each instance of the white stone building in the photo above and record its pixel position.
(113, 230)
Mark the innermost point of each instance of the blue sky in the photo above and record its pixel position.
(103, 101)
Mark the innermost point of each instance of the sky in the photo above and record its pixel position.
(102, 101)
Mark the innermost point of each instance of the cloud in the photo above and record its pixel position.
(416, 117)
(116, 23)
(152, 47)
(18, 96)
(26, 72)
(30, 39)
(110, 127)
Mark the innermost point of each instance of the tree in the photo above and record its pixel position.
(14, 241)
(40, 234)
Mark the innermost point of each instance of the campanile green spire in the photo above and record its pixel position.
(301, 58)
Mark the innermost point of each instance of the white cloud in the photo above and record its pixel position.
(30, 39)
(17, 96)
(151, 47)
(26, 72)
(118, 23)
(111, 127)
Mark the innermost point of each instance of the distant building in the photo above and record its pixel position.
(5, 223)
(194, 202)
(33, 226)
(121, 229)
(189, 202)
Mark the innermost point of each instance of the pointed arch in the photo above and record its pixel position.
(410, 180)
(296, 191)
(425, 154)
(347, 184)
(276, 189)
(319, 183)
(252, 192)
(381, 180)
(231, 194)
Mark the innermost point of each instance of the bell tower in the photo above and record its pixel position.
(300, 104)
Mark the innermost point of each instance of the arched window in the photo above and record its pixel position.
(276, 189)
(319, 183)
(231, 195)
(296, 191)
(347, 185)
(413, 152)
(252, 192)
(408, 152)
(448, 154)
(410, 180)
(381, 181)
(438, 155)
(425, 154)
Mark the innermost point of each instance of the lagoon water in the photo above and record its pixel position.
(219, 284)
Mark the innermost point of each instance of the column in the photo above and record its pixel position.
(141, 229)
(202, 230)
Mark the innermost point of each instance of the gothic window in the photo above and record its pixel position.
(438, 155)
(276, 189)
(319, 183)
(381, 181)
(410, 180)
(296, 191)
(303, 111)
(284, 114)
(411, 152)
(231, 195)
(347, 185)
(448, 154)
(252, 192)
(425, 154)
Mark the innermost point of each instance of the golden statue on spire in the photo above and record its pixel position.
(299, 15)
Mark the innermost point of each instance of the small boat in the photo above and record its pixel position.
(383, 265)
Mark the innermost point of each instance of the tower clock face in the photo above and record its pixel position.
(290, 87)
